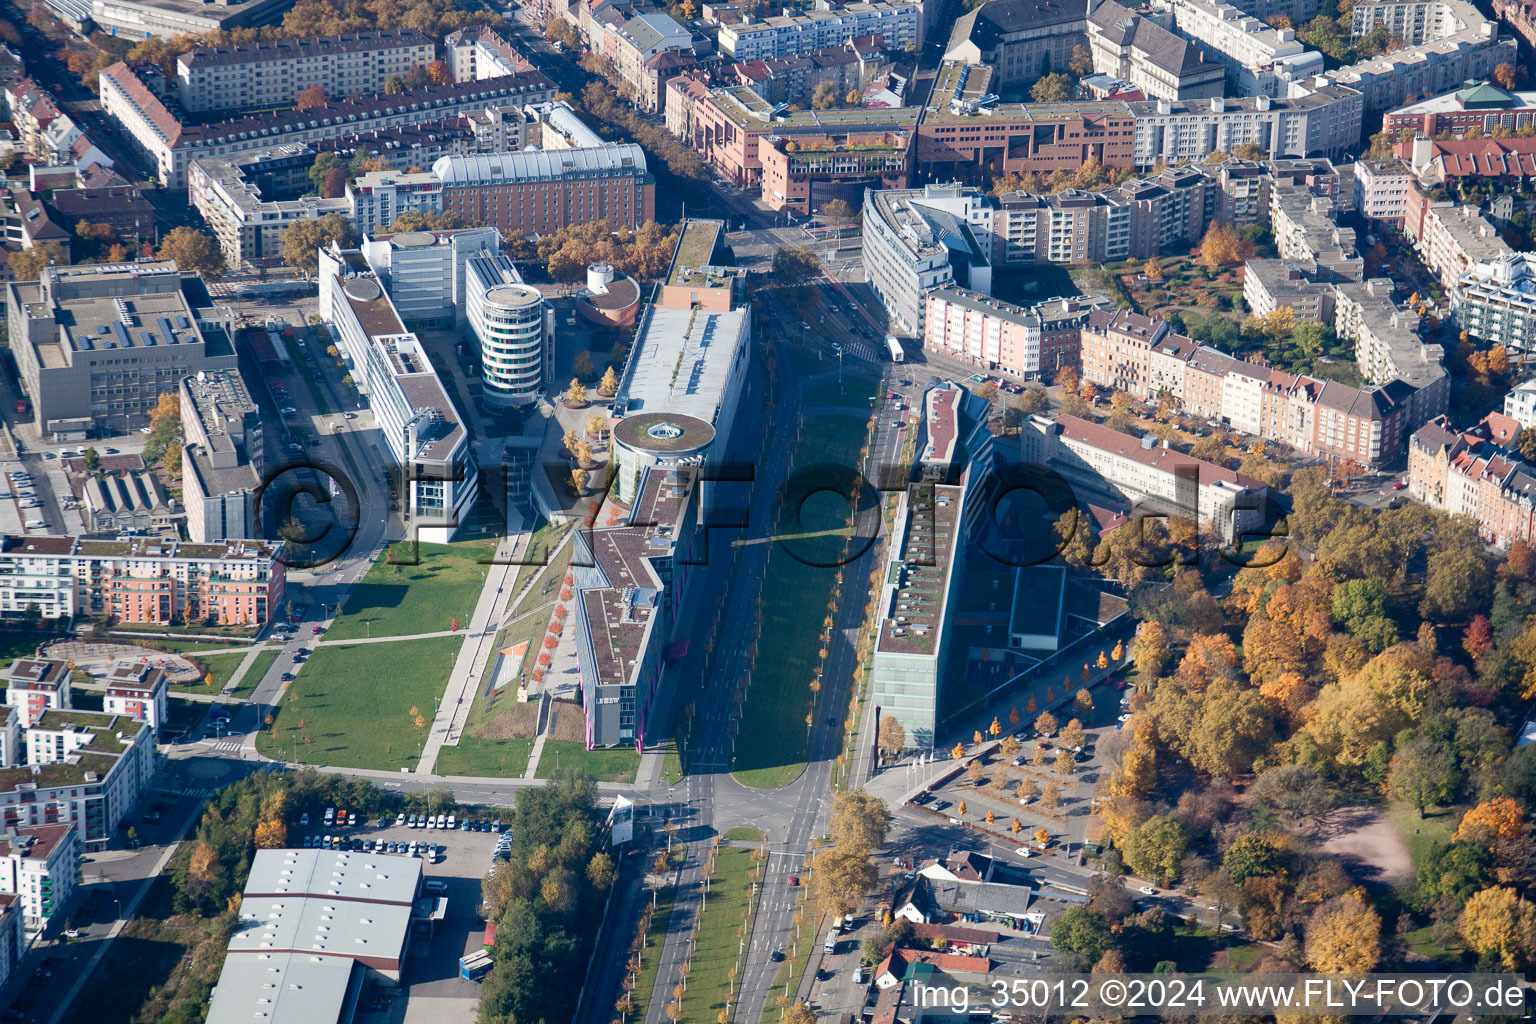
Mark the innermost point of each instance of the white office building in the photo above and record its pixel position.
(376, 199)
(1495, 301)
(917, 240)
(513, 328)
(1263, 60)
(424, 271)
(419, 427)
(785, 35)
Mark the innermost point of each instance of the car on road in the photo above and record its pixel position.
(777, 956)
(1147, 890)
(1399, 485)
(317, 630)
(49, 456)
(794, 879)
(1125, 717)
(400, 819)
(349, 415)
(109, 451)
(72, 933)
(287, 677)
(942, 805)
(1024, 851)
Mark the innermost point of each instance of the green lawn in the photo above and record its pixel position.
(220, 666)
(717, 942)
(399, 600)
(772, 752)
(548, 579)
(253, 675)
(616, 765)
(19, 644)
(1422, 835)
(351, 705)
(744, 833)
(506, 759)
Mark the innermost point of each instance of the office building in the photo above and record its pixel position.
(141, 579)
(377, 199)
(317, 927)
(170, 141)
(96, 346)
(513, 328)
(222, 457)
(272, 72)
(249, 200)
(785, 35)
(425, 271)
(1140, 471)
(419, 429)
(699, 320)
(539, 192)
(989, 333)
(1494, 301)
(83, 768)
(33, 686)
(918, 240)
(1474, 105)
(1507, 162)
(41, 866)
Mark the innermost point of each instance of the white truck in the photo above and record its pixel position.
(830, 946)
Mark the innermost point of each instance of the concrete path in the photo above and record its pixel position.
(479, 644)
(241, 669)
(532, 772)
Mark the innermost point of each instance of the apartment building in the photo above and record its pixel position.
(647, 51)
(141, 579)
(33, 686)
(514, 332)
(1450, 238)
(540, 192)
(272, 73)
(1381, 190)
(222, 457)
(481, 52)
(1139, 471)
(1412, 21)
(1142, 357)
(419, 429)
(1520, 404)
(989, 333)
(1305, 231)
(1270, 284)
(1263, 60)
(249, 200)
(87, 769)
(1324, 122)
(821, 26)
(46, 132)
(41, 866)
(1521, 16)
(1387, 343)
(1138, 50)
(1475, 105)
(1508, 162)
(1467, 46)
(97, 345)
(856, 64)
(1494, 301)
(137, 689)
(166, 19)
(131, 95)
(1475, 473)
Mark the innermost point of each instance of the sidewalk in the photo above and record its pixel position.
(484, 623)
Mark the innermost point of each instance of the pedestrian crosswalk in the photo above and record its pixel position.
(228, 746)
(200, 793)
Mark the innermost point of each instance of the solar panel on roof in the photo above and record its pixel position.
(84, 343)
(103, 329)
(121, 332)
(182, 323)
(165, 330)
(146, 338)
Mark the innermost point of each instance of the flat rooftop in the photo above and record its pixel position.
(695, 249)
(915, 620)
(335, 875)
(682, 361)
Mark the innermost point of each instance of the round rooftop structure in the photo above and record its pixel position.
(663, 433)
(514, 296)
(615, 305)
(363, 289)
(413, 239)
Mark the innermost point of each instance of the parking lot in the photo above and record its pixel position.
(432, 991)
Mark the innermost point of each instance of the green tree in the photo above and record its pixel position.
(795, 266)
(1155, 848)
(303, 240)
(1423, 772)
(1454, 871)
(1084, 932)
(1251, 856)
(1052, 88)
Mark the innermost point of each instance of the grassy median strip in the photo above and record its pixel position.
(773, 751)
(724, 924)
(252, 677)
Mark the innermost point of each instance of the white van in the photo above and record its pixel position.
(830, 946)
(37, 524)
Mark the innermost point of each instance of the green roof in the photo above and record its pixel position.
(63, 773)
(1484, 96)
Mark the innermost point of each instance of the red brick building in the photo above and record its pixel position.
(542, 191)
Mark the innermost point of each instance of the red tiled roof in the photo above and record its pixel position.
(1480, 157)
(1165, 459)
(128, 80)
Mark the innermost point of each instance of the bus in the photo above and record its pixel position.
(894, 347)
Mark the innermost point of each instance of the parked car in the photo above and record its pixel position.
(1147, 890)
